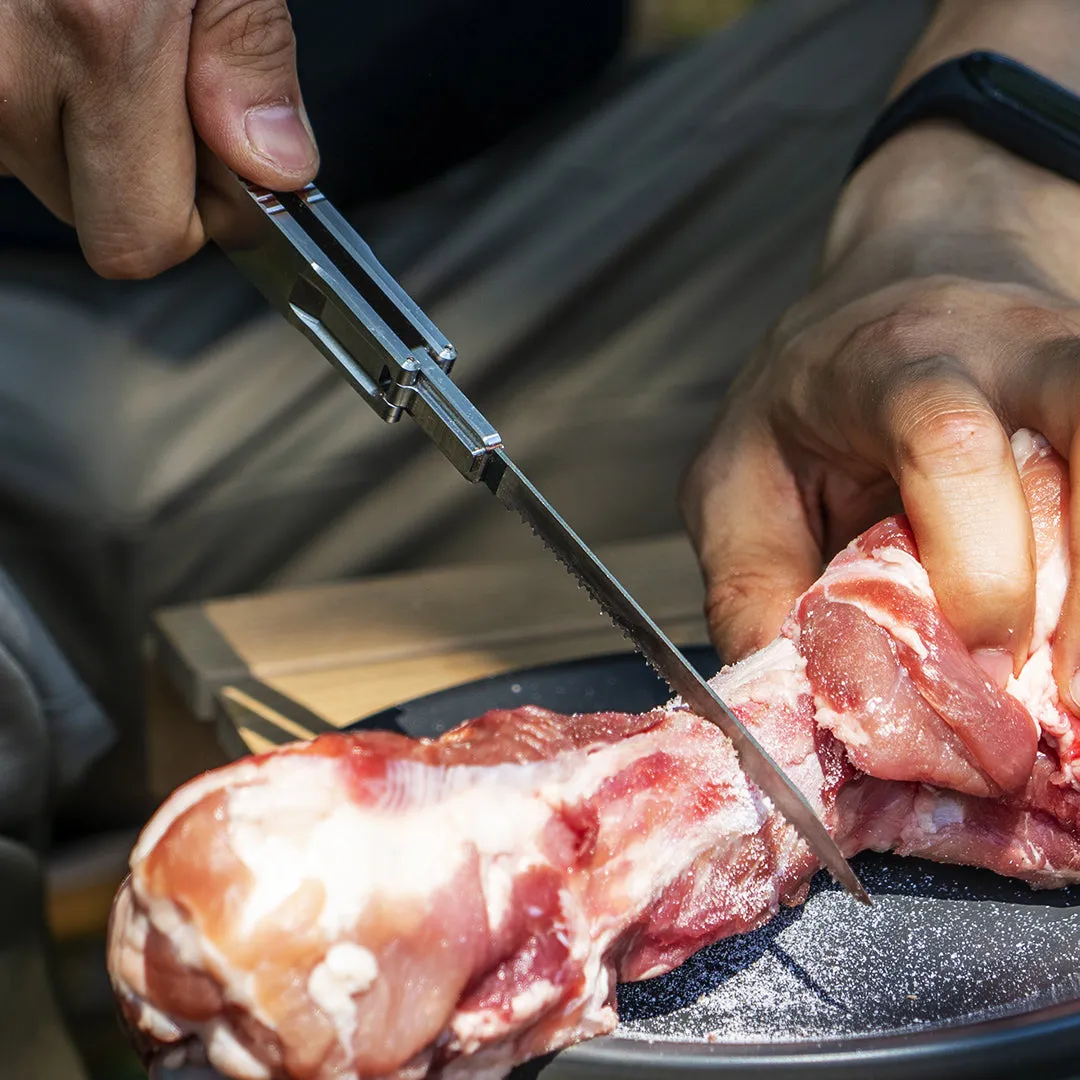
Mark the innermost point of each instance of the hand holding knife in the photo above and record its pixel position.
(313, 267)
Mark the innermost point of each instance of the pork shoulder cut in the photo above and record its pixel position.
(369, 905)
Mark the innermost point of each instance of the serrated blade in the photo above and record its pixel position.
(513, 490)
(308, 261)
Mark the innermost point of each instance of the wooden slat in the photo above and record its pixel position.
(248, 673)
(487, 610)
(336, 693)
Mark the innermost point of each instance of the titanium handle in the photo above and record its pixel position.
(313, 267)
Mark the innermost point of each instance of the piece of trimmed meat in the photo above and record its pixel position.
(373, 906)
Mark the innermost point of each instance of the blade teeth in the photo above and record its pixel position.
(569, 568)
(854, 885)
(675, 702)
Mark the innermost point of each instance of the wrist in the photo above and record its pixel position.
(1041, 34)
(939, 199)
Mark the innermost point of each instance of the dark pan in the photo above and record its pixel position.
(952, 973)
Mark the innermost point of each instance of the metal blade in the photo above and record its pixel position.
(307, 260)
(514, 490)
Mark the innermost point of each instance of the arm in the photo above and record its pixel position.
(946, 313)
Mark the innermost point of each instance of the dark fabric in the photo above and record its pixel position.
(33, 1042)
(40, 691)
(50, 730)
(400, 92)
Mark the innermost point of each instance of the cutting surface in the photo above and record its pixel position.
(940, 945)
(943, 951)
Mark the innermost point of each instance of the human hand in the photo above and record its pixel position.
(101, 102)
(946, 316)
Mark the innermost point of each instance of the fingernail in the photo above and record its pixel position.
(278, 133)
(997, 663)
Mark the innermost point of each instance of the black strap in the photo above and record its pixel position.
(995, 97)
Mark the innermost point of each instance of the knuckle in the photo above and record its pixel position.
(943, 294)
(254, 30)
(877, 358)
(940, 436)
(141, 259)
(1033, 321)
(98, 30)
(919, 331)
(738, 590)
(886, 339)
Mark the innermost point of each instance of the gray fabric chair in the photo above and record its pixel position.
(34, 1044)
(50, 732)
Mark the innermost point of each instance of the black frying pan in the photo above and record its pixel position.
(952, 973)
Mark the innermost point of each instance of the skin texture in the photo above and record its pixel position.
(945, 315)
(101, 102)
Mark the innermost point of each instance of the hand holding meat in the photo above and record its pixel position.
(101, 102)
(947, 315)
(373, 906)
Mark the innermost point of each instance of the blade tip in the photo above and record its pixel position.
(855, 887)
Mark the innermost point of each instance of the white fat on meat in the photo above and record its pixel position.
(1036, 690)
(660, 845)
(348, 969)
(229, 1056)
(183, 799)
(897, 567)
(1050, 585)
(774, 675)
(404, 852)
(1031, 451)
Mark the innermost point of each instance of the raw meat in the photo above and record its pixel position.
(373, 906)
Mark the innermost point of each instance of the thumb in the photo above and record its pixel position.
(747, 521)
(244, 95)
